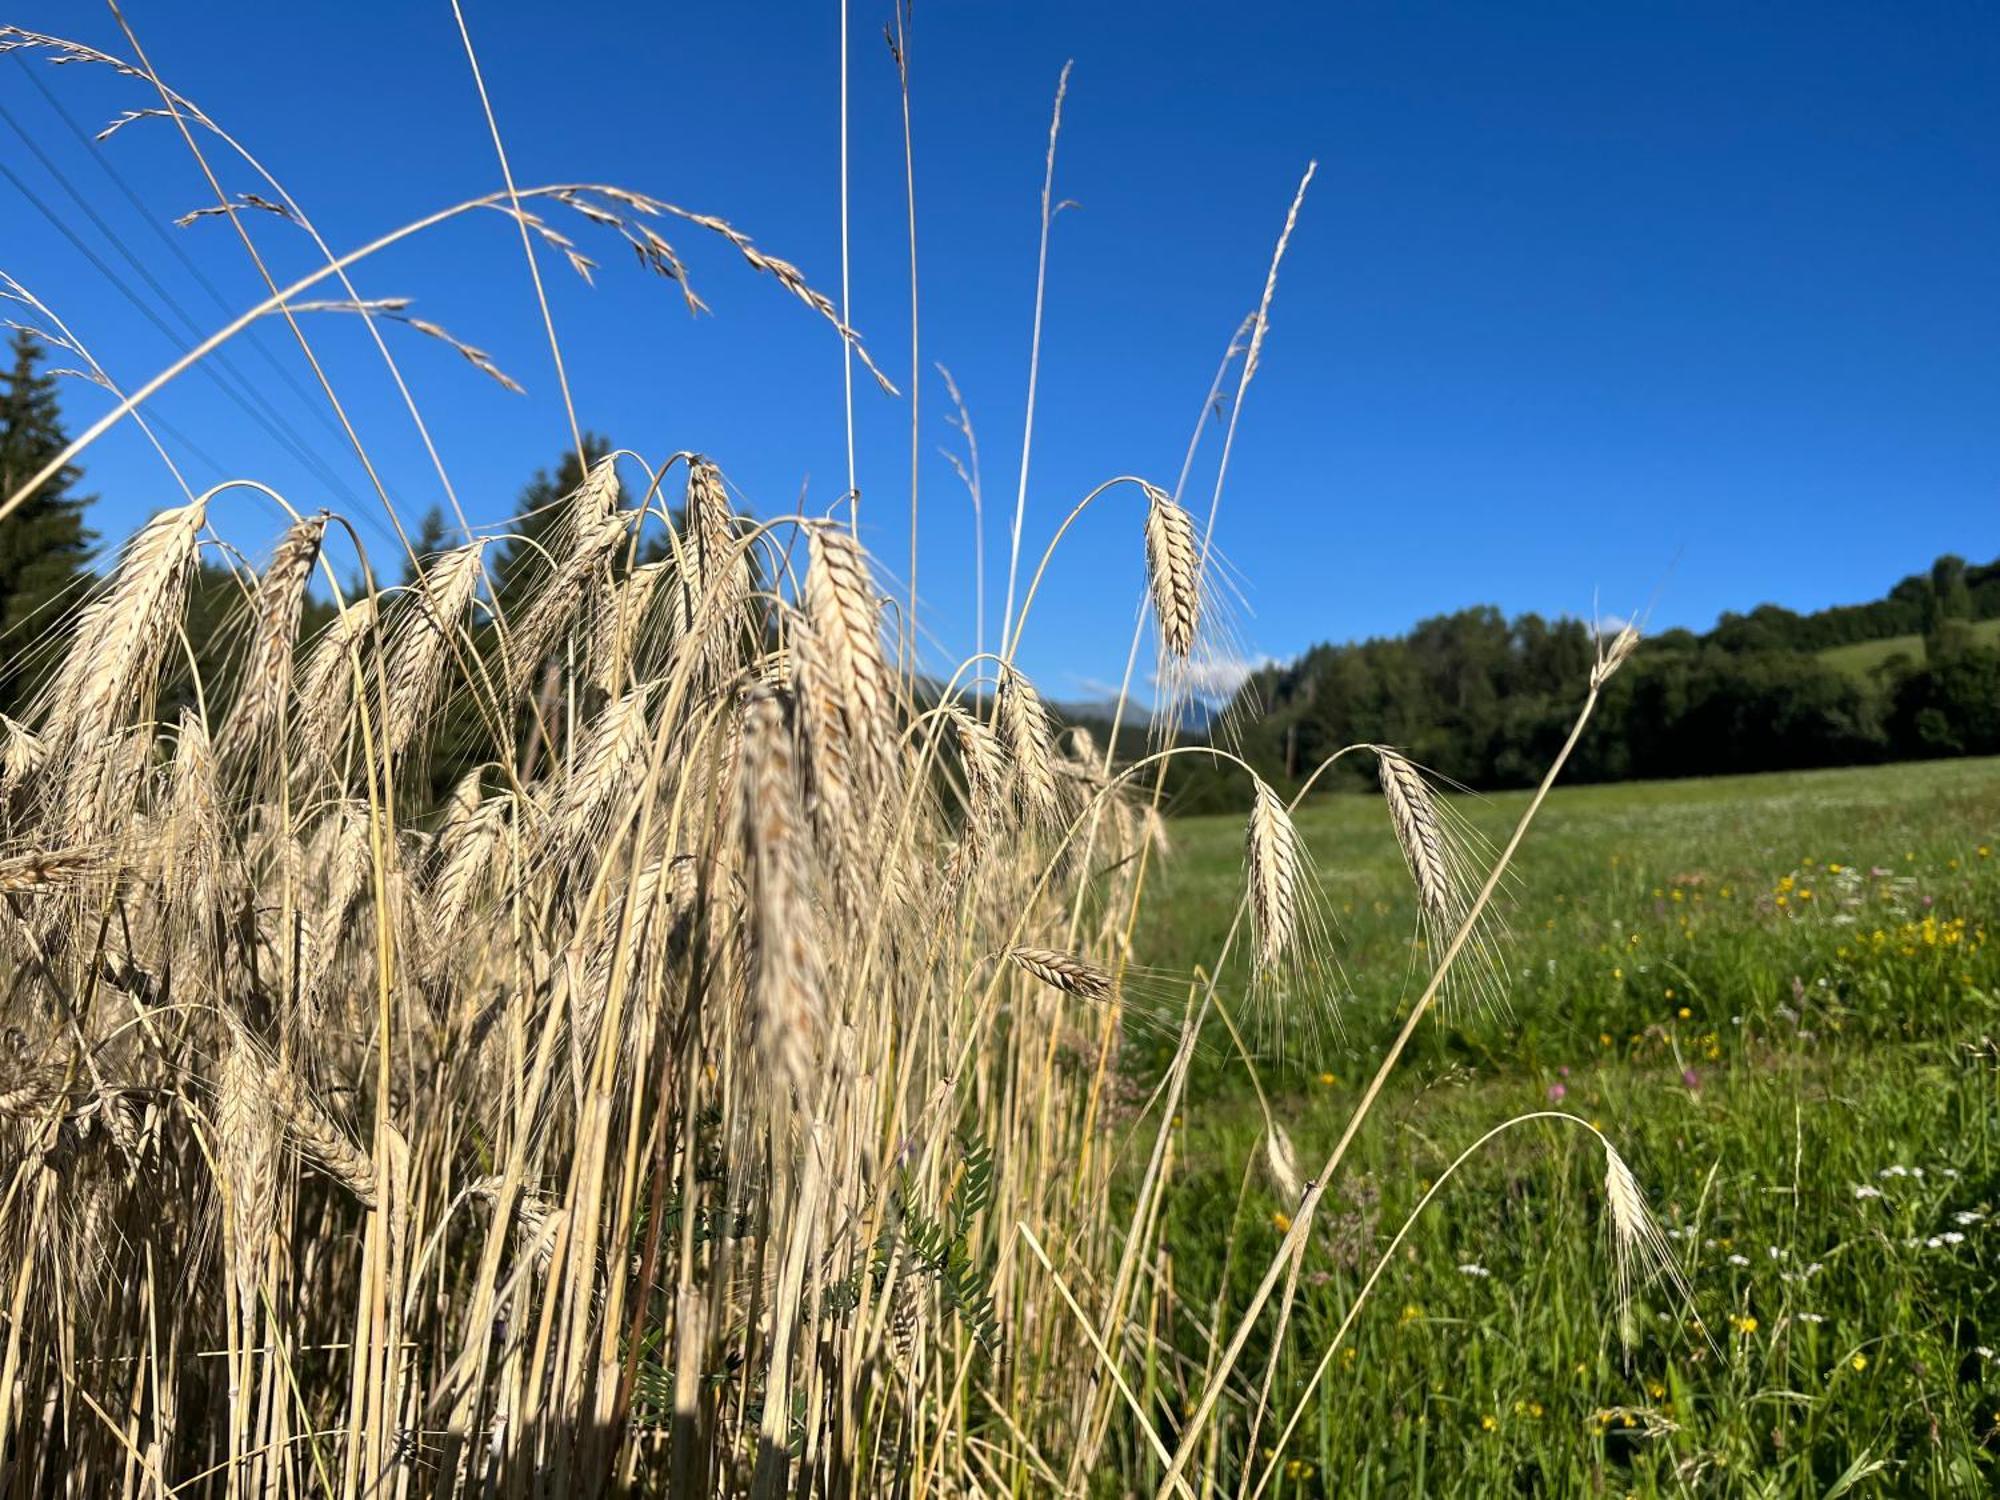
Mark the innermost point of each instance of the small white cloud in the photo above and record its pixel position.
(1216, 678)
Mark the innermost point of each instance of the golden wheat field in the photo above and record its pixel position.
(720, 1081)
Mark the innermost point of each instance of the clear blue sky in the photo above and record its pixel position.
(1684, 305)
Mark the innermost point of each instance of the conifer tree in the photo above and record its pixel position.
(44, 545)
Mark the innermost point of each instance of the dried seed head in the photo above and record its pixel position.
(786, 966)
(52, 871)
(1173, 571)
(591, 531)
(326, 682)
(845, 631)
(1283, 1161)
(466, 857)
(1611, 656)
(985, 769)
(122, 635)
(267, 675)
(1639, 1251)
(1274, 859)
(247, 1141)
(420, 647)
(605, 767)
(323, 1142)
(1066, 972)
(1024, 724)
(621, 626)
(1413, 814)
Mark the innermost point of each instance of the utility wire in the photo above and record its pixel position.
(265, 416)
(99, 155)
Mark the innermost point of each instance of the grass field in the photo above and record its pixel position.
(1777, 996)
(1863, 657)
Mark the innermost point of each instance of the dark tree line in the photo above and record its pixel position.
(1488, 701)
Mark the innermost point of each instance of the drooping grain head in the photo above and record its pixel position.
(1413, 815)
(465, 860)
(267, 675)
(1448, 862)
(845, 629)
(1173, 571)
(122, 635)
(321, 1140)
(606, 763)
(1068, 972)
(111, 674)
(422, 640)
(622, 627)
(1640, 1252)
(985, 768)
(22, 756)
(593, 530)
(1273, 855)
(712, 600)
(246, 1149)
(38, 873)
(326, 685)
(1024, 725)
(193, 827)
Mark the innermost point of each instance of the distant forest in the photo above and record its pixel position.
(1487, 701)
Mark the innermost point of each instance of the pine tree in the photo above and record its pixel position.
(44, 545)
(1947, 612)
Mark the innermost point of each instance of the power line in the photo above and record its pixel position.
(193, 267)
(90, 255)
(262, 414)
(265, 417)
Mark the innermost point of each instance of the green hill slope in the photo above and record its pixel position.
(1862, 657)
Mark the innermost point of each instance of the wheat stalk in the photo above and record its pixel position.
(281, 593)
(786, 988)
(1065, 971)
(1024, 725)
(1413, 814)
(1172, 570)
(122, 635)
(1274, 859)
(323, 1142)
(421, 641)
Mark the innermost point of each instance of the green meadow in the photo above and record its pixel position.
(1862, 657)
(1775, 995)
